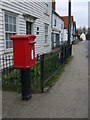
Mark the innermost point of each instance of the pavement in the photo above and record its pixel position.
(89, 75)
(68, 98)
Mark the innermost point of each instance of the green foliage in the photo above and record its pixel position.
(35, 78)
(73, 42)
(11, 81)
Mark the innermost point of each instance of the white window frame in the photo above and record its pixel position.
(46, 8)
(14, 15)
(46, 34)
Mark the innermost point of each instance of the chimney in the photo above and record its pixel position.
(53, 5)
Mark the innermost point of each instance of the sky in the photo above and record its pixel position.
(79, 10)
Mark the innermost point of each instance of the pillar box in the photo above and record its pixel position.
(24, 59)
(24, 51)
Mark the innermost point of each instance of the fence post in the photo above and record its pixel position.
(71, 50)
(62, 55)
(42, 73)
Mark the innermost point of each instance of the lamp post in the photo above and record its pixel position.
(69, 21)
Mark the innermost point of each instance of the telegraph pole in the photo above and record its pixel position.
(69, 21)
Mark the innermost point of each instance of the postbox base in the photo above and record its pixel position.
(26, 84)
(26, 97)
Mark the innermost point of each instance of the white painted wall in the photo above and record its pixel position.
(36, 9)
(72, 32)
(62, 29)
(66, 34)
(57, 29)
(1, 31)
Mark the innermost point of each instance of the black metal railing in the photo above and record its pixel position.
(45, 68)
(50, 63)
(11, 77)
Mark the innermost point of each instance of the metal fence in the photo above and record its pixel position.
(50, 63)
(45, 68)
(11, 77)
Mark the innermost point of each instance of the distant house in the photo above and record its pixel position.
(21, 18)
(57, 28)
(65, 18)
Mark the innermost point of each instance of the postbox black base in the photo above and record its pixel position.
(26, 97)
(26, 84)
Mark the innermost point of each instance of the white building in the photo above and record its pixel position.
(21, 18)
(57, 29)
(65, 18)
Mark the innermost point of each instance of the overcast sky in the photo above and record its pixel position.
(79, 10)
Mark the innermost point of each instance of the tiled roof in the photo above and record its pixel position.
(65, 18)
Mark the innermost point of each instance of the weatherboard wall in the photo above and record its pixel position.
(36, 9)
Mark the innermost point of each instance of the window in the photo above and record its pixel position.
(46, 33)
(54, 22)
(61, 26)
(10, 29)
(46, 7)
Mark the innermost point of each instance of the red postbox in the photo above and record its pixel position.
(24, 51)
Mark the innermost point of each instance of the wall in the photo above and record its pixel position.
(1, 31)
(57, 29)
(65, 35)
(36, 9)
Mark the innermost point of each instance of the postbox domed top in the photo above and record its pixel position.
(23, 37)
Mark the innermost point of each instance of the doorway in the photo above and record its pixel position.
(57, 40)
(28, 27)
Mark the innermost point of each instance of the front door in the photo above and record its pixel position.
(57, 40)
(28, 27)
